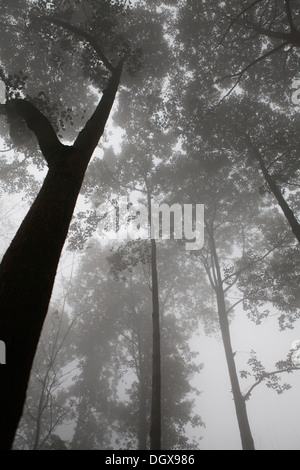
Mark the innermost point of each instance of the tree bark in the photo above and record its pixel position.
(239, 401)
(28, 268)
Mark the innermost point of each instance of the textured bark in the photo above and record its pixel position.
(28, 268)
(239, 401)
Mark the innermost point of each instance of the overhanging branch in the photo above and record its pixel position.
(83, 34)
(266, 376)
(239, 75)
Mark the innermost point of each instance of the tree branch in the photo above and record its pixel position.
(252, 263)
(237, 18)
(38, 124)
(288, 212)
(265, 376)
(254, 62)
(287, 37)
(234, 305)
(242, 72)
(89, 136)
(83, 34)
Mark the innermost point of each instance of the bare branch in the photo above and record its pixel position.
(237, 18)
(254, 62)
(242, 72)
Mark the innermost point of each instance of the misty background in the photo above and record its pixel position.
(204, 115)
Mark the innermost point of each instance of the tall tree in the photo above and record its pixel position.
(120, 310)
(29, 266)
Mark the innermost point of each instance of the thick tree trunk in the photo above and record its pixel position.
(28, 269)
(155, 429)
(27, 274)
(239, 401)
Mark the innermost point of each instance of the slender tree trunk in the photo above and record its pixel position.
(239, 401)
(289, 214)
(28, 269)
(155, 429)
(142, 424)
(142, 374)
(155, 432)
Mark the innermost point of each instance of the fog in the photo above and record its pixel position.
(149, 225)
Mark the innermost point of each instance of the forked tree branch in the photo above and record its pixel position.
(38, 124)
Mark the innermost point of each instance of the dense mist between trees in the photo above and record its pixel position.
(149, 225)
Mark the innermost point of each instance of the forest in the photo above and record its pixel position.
(149, 225)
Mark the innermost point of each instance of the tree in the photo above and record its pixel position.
(120, 310)
(272, 379)
(46, 408)
(28, 268)
(276, 23)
